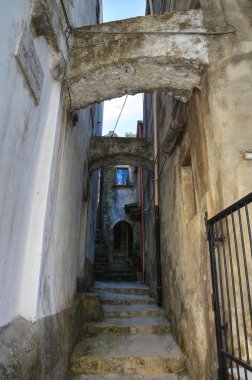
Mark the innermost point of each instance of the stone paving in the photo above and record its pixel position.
(132, 342)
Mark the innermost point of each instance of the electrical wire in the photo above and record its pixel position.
(225, 16)
(117, 121)
(69, 26)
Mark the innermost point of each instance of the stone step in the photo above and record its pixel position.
(120, 256)
(122, 259)
(125, 299)
(121, 265)
(140, 325)
(116, 278)
(124, 311)
(121, 287)
(139, 354)
(101, 263)
(99, 255)
(120, 270)
(98, 276)
(241, 376)
(99, 238)
(116, 376)
(100, 269)
(119, 277)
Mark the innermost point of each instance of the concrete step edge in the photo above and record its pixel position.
(131, 365)
(119, 376)
(95, 329)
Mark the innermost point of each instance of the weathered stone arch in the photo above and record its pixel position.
(106, 151)
(104, 65)
(118, 220)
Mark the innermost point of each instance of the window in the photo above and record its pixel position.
(188, 192)
(122, 176)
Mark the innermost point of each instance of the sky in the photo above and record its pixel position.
(133, 110)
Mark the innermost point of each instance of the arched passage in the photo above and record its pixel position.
(105, 151)
(143, 54)
(123, 237)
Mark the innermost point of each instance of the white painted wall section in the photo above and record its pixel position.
(43, 161)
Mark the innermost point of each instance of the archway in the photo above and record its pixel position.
(105, 151)
(123, 237)
(165, 52)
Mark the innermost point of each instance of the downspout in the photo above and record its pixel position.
(140, 135)
(156, 198)
(151, 7)
(156, 191)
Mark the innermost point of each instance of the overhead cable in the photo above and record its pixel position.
(69, 26)
(119, 115)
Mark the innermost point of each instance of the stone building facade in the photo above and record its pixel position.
(201, 168)
(118, 190)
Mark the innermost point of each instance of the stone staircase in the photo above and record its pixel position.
(100, 260)
(132, 342)
(121, 269)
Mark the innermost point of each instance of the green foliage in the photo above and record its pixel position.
(129, 134)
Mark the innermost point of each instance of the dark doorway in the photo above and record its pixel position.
(123, 237)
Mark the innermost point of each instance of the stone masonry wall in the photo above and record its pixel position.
(206, 172)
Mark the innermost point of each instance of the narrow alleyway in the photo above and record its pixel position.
(133, 341)
(167, 197)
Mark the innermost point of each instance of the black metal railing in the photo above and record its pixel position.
(230, 246)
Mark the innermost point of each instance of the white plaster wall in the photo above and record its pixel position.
(22, 126)
(41, 180)
(83, 12)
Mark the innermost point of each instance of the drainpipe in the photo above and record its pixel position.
(156, 198)
(151, 7)
(140, 135)
(156, 191)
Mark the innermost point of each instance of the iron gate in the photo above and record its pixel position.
(230, 245)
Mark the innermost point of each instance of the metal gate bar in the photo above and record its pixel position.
(230, 246)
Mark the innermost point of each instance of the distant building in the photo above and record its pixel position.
(118, 190)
